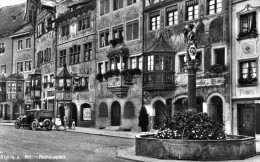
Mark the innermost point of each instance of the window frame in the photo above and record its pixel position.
(130, 2)
(213, 54)
(173, 17)
(215, 7)
(106, 7)
(29, 65)
(106, 35)
(62, 57)
(2, 47)
(83, 26)
(117, 30)
(73, 53)
(21, 67)
(240, 73)
(2, 69)
(88, 52)
(65, 30)
(156, 16)
(118, 4)
(30, 44)
(19, 48)
(132, 23)
(193, 10)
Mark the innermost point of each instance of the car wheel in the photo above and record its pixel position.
(47, 124)
(34, 125)
(17, 124)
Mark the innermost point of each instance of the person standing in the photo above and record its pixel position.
(65, 122)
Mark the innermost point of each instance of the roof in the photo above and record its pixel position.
(3, 78)
(119, 49)
(16, 76)
(160, 45)
(11, 17)
(25, 29)
(36, 70)
(64, 73)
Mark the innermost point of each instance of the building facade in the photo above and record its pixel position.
(167, 19)
(119, 61)
(12, 23)
(245, 67)
(75, 62)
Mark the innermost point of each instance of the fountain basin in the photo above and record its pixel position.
(235, 147)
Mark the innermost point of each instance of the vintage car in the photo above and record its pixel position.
(35, 118)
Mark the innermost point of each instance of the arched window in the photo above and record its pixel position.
(103, 110)
(129, 110)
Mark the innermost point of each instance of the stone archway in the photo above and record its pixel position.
(159, 106)
(181, 105)
(115, 114)
(215, 108)
(74, 113)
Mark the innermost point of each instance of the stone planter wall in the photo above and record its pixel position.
(235, 147)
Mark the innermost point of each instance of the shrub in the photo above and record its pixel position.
(143, 119)
(187, 125)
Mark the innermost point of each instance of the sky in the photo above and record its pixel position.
(10, 2)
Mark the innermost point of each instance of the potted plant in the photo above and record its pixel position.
(99, 77)
(248, 80)
(218, 68)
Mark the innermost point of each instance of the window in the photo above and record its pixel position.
(214, 6)
(129, 110)
(51, 80)
(199, 59)
(65, 30)
(49, 24)
(159, 62)
(219, 56)
(3, 69)
(100, 68)
(28, 65)
(2, 48)
(88, 51)
(248, 70)
(104, 7)
(168, 63)
(132, 30)
(27, 87)
(20, 44)
(118, 32)
(192, 9)
(74, 54)
(248, 23)
(84, 23)
(150, 62)
(182, 63)
(62, 57)
(140, 62)
(129, 2)
(133, 62)
(28, 43)
(19, 67)
(104, 38)
(47, 54)
(154, 20)
(45, 79)
(40, 29)
(172, 15)
(40, 57)
(118, 4)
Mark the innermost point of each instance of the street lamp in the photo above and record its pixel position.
(191, 65)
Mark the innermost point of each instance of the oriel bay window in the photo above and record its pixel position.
(248, 73)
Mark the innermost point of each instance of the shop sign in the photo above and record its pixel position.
(86, 114)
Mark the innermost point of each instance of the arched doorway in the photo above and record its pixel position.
(199, 104)
(159, 108)
(16, 111)
(216, 109)
(74, 113)
(115, 114)
(62, 113)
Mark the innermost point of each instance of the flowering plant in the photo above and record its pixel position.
(191, 126)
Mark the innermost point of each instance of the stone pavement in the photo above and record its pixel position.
(128, 154)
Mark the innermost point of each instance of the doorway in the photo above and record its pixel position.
(16, 112)
(74, 113)
(159, 107)
(216, 109)
(115, 114)
(246, 124)
(62, 114)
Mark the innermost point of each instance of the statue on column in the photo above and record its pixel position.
(191, 39)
